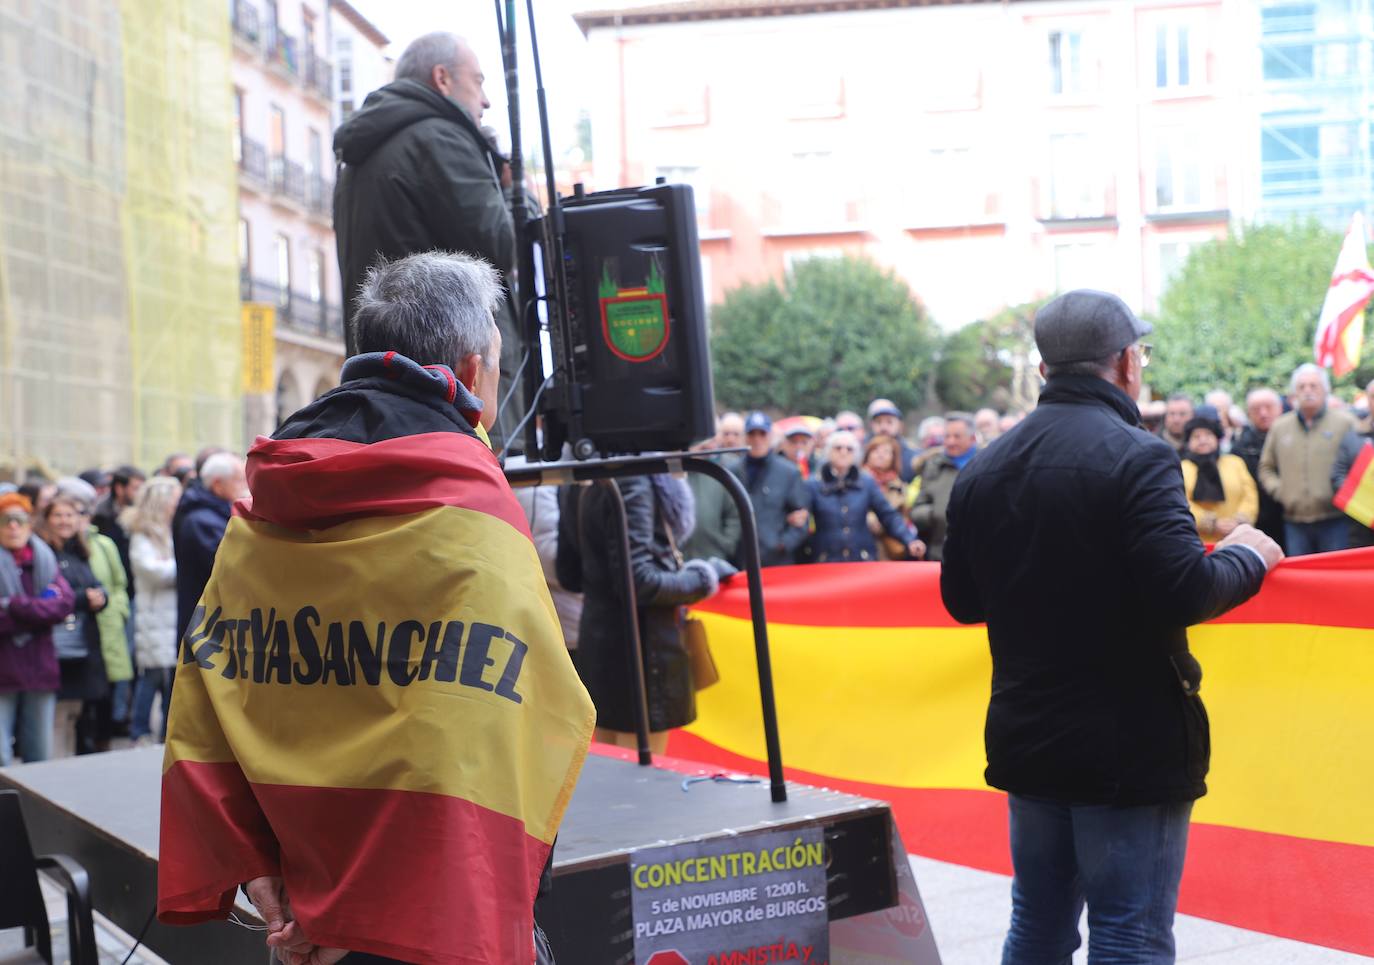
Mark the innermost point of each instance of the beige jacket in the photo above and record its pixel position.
(1295, 466)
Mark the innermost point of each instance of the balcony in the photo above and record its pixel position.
(282, 52)
(286, 180)
(253, 162)
(319, 195)
(247, 24)
(319, 76)
(296, 311)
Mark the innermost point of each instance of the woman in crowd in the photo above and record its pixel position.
(882, 463)
(841, 497)
(113, 620)
(76, 639)
(660, 516)
(1221, 492)
(149, 524)
(33, 597)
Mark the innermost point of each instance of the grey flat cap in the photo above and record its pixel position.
(1085, 325)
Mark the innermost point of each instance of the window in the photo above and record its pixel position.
(313, 153)
(1175, 54)
(316, 268)
(308, 32)
(245, 251)
(1290, 160)
(276, 144)
(1077, 179)
(346, 76)
(283, 270)
(238, 126)
(346, 108)
(1287, 31)
(815, 192)
(1178, 170)
(1066, 62)
(701, 188)
(790, 259)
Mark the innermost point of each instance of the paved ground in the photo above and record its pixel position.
(969, 910)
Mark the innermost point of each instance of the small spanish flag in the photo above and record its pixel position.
(375, 703)
(1356, 496)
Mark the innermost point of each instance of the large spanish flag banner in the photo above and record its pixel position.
(880, 693)
(375, 702)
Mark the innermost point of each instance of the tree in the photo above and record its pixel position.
(837, 333)
(985, 363)
(1242, 312)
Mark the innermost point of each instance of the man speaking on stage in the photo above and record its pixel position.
(376, 727)
(416, 173)
(1071, 538)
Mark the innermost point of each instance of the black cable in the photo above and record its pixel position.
(514, 382)
(139, 940)
(534, 406)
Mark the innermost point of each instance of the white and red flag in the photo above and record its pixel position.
(1340, 332)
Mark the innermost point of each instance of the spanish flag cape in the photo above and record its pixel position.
(375, 701)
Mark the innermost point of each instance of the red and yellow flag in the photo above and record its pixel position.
(1356, 496)
(375, 702)
(880, 693)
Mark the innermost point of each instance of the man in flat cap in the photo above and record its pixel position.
(1072, 540)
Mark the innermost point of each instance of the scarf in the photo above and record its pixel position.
(1208, 488)
(11, 576)
(883, 477)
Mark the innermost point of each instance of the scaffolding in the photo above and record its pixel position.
(118, 270)
(1316, 153)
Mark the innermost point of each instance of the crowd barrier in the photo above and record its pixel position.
(881, 693)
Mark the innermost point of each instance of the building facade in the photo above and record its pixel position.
(283, 91)
(119, 318)
(990, 152)
(361, 63)
(1315, 104)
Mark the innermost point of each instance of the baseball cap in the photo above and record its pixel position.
(883, 407)
(1084, 325)
(758, 422)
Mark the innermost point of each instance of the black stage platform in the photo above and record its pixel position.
(103, 810)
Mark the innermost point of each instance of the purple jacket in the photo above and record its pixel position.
(34, 665)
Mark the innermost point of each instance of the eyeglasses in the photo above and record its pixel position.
(14, 519)
(848, 427)
(841, 448)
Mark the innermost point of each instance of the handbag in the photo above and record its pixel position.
(705, 673)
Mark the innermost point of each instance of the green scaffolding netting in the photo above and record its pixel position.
(118, 272)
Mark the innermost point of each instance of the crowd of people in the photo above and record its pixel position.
(98, 576)
(843, 489)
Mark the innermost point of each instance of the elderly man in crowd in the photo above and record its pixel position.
(777, 493)
(885, 419)
(1072, 540)
(1177, 411)
(988, 424)
(1296, 463)
(199, 524)
(1263, 407)
(717, 529)
(798, 447)
(937, 481)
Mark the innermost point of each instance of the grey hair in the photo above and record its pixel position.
(76, 490)
(437, 49)
(1307, 368)
(928, 423)
(222, 465)
(1262, 392)
(841, 435)
(963, 417)
(1098, 368)
(434, 308)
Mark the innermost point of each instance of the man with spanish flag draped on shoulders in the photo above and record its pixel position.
(376, 727)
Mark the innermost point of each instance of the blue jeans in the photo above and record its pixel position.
(150, 682)
(1124, 863)
(31, 712)
(1304, 539)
